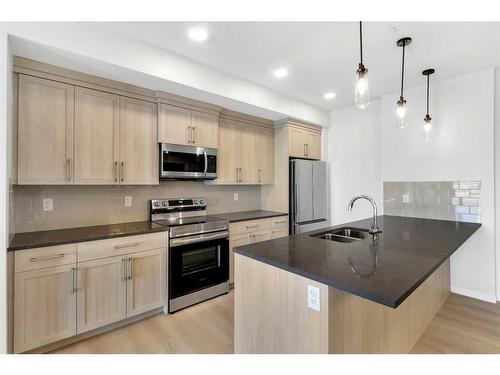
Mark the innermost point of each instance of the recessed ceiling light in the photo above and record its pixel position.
(198, 33)
(280, 72)
(329, 95)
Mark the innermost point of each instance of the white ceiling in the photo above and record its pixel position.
(323, 56)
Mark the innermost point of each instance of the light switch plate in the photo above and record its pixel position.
(128, 201)
(236, 197)
(48, 204)
(313, 298)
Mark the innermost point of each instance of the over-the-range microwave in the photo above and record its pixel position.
(187, 162)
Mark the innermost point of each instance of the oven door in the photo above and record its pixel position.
(198, 262)
(187, 162)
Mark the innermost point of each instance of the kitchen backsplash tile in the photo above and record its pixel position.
(75, 206)
(445, 200)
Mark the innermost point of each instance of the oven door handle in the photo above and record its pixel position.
(206, 161)
(199, 238)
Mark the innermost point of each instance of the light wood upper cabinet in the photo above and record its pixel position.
(97, 151)
(313, 145)
(102, 293)
(183, 126)
(45, 131)
(205, 129)
(138, 142)
(44, 306)
(174, 125)
(147, 281)
(245, 154)
(304, 143)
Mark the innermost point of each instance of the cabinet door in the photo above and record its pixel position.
(296, 142)
(45, 132)
(235, 241)
(265, 155)
(147, 281)
(96, 137)
(249, 160)
(138, 142)
(44, 306)
(174, 125)
(229, 153)
(205, 129)
(313, 145)
(101, 293)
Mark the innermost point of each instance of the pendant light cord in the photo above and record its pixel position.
(428, 94)
(403, 70)
(361, 41)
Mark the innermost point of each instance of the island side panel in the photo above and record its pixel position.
(271, 313)
(362, 326)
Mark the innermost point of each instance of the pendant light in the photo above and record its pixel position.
(427, 119)
(401, 110)
(362, 88)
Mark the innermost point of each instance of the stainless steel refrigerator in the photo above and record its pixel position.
(308, 200)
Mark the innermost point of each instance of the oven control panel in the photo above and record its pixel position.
(178, 204)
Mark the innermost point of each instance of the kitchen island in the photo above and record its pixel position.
(374, 294)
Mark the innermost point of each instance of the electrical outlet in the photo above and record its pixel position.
(406, 198)
(313, 297)
(128, 201)
(236, 197)
(48, 204)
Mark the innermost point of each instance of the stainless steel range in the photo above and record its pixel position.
(198, 261)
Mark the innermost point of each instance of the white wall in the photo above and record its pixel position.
(354, 159)
(461, 147)
(497, 175)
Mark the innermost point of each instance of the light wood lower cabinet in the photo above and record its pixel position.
(102, 293)
(55, 302)
(252, 231)
(44, 306)
(147, 281)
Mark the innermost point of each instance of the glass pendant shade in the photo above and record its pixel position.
(362, 88)
(401, 113)
(427, 126)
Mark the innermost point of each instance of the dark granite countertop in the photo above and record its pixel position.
(234, 217)
(30, 240)
(386, 271)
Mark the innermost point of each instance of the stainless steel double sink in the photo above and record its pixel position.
(344, 234)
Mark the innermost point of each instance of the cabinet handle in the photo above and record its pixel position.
(115, 172)
(236, 174)
(280, 222)
(36, 259)
(252, 226)
(130, 271)
(127, 245)
(68, 168)
(240, 174)
(124, 271)
(122, 171)
(260, 175)
(194, 134)
(307, 148)
(73, 287)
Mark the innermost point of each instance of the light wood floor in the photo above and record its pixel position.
(463, 325)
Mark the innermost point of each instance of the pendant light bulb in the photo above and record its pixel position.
(362, 87)
(401, 113)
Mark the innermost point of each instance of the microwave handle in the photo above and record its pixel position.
(206, 161)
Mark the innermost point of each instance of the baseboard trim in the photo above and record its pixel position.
(492, 298)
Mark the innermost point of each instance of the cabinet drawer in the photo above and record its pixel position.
(121, 246)
(249, 226)
(42, 257)
(280, 222)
